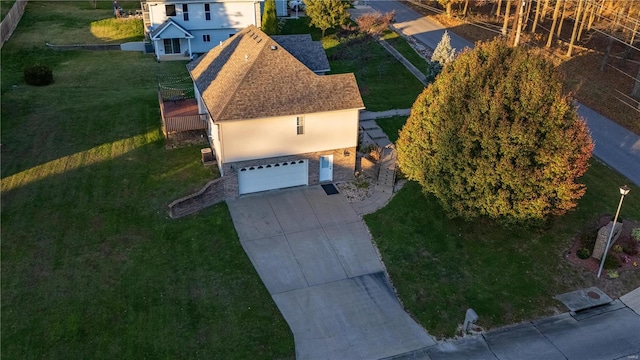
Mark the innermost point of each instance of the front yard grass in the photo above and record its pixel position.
(391, 126)
(440, 266)
(384, 83)
(92, 267)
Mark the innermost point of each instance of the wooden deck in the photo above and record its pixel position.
(181, 115)
(187, 107)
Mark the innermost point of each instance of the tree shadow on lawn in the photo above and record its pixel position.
(90, 256)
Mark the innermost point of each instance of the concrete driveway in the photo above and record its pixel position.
(315, 256)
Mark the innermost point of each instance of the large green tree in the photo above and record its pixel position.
(326, 14)
(495, 136)
(270, 18)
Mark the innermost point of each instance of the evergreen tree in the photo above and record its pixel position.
(326, 14)
(270, 18)
(495, 136)
(444, 53)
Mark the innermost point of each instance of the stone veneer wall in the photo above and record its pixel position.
(210, 194)
(343, 167)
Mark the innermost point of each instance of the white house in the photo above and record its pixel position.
(272, 121)
(180, 28)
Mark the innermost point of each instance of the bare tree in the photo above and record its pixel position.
(585, 12)
(506, 18)
(537, 16)
(636, 87)
(576, 24)
(564, 14)
(519, 23)
(544, 11)
(556, 12)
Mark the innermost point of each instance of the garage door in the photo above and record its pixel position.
(273, 176)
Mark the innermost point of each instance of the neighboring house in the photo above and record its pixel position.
(180, 28)
(273, 122)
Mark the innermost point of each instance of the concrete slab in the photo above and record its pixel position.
(275, 263)
(472, 347)
(358, 318)
(352, 245)
(612, 306)
(293, 211)
(330, 209)
(254, 218)
(315, 255)
(521, 342)
(584, 299)
(609, 335)
(632, 300)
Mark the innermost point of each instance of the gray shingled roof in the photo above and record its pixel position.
(251, 76)
(166, 24)
(309, 52)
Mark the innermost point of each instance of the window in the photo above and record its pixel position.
(185, 12)
(206, 38)
(170, 10)
(207, 12)
(300, 125)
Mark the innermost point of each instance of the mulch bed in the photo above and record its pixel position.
(625, 238)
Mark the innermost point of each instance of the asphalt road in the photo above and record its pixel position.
(616, 146)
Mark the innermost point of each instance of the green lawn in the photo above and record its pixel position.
(403, 47)
(92, 267)
(384, 83)
(443, 266)
(391, 126)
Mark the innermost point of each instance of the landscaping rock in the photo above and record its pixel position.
(603, 236)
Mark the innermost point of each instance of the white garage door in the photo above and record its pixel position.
(273, 176)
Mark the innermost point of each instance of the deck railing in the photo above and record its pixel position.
(180, 123)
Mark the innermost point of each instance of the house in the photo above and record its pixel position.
(180, 28)
(271, 121)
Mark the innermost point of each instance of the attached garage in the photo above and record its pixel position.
(273, 176)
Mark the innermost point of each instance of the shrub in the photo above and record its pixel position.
(583, 253)
(630, 249)
(617, 248)
(588, 239)
(375, 23)
(635, 233)
(611, 262)
(38, 74)
(613, 274)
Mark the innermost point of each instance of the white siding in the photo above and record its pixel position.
(270, 137)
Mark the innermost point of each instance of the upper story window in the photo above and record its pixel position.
(300, 125)
(170, 10)
(207, 12)
(185, 12)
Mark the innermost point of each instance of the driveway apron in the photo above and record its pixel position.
(315, 256)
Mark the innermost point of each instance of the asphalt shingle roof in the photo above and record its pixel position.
(251, 76)
(309, 52)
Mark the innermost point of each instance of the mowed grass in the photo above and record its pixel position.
(391, 126)
(92, 267)
(384, 83)
(403, 47)
(441, 266)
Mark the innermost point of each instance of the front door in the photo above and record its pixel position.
(326, 168)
